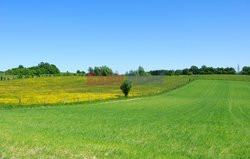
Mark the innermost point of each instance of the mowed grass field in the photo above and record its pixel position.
(74, 89)
(204, 119)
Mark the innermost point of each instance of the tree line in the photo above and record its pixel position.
(204, 70)
(46, 69)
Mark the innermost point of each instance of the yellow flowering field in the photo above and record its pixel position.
(73, 89)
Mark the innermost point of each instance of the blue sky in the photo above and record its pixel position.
(125, 34)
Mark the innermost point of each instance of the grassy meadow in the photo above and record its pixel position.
(73, 89)
(204, 119)
(224, 77)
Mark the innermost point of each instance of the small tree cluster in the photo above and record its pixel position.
(139, 72)
(80, 73)
(101, 71)
(41, 69)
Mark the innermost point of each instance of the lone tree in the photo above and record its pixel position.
(126, 87)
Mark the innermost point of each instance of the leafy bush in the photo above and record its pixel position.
(126, 87)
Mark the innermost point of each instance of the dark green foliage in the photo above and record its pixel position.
(101, 71)
(185, 71)
(41, 69)
(91, 70)
(246, 70)
(20, 66)
(139, 72)
(178, 72)
(196, 71)
(81, 73)
(105, 71)
(162, 72)
(126, 87)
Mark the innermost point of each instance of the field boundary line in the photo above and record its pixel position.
(77, 105)
(116, 101)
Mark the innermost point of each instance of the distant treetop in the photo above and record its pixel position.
(41, 69)
(245, 70)
(103, 70)
(196, 71)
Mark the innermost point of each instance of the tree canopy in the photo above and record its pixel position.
(245, 70)
(196, 71)
(103, 70)
(41, 69)
(139, 72)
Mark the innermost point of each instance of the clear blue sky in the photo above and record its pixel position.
(124, 34)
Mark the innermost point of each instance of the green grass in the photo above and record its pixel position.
(205, 119)
(54, 90)
(224, 77)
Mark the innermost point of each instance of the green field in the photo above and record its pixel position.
(224, 77)
(204, 119)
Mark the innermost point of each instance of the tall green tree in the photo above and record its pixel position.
(194, 69)
(90, 70)
(141, 71)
